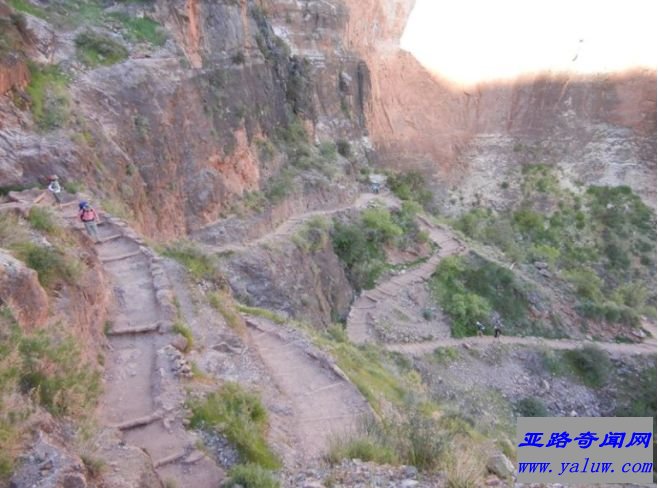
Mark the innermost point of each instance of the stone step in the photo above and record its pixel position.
(144, 329)
(139, 422)
(111, 238)
(120, 257)
(172, 458)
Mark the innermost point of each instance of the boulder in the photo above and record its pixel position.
(180, 343)
(21, 291)
(499, 465)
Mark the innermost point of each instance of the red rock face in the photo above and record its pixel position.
(418, 120)
(21, 292)
(13, 74)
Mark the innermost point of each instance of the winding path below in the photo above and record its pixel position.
(326, 405)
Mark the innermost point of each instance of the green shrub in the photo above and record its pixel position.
(587, 283)
(142, 29)
(240, 416)
(591, 364)
(49, 96)
(328, 151)
(531, 407)
(201, 266)
(99, 50)
(28, 8)
(280, 186)
(262, 312)
(364, 448)
(250, 476)
(413, 439)
(185, 331)
(73, 186)
(446, 354)
(364, 258)
(379, 225)
(223, 303)
(48, 365)
(411, 185)
(42, 219)
(50, 264)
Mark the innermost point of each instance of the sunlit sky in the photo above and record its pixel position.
(468, 41)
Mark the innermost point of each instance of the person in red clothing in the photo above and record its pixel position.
(89, 217)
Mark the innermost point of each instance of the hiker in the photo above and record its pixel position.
(55, 188)
(480, 327)
(89, 218)
(497, 330)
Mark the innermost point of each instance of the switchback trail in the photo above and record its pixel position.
(286, 228)
(358, 320)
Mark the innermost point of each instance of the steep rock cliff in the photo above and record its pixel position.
(599, 129)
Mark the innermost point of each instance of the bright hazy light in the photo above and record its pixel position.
(476, 40)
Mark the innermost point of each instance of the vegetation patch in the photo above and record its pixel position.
(200, 265)
(598, 242)
(240, 416)
(46, 369)
(415, 438)
(531, 407)
(224, 304)
(27, 7)
(99, 50)
(411, 185)
(471, 289)
(42, 219)
(49, 96)
(591, 364)
(250, 476)
(313, 235)
(185, 331)
(262, 312)
(361, 244)
(51, 264)
(141, 29)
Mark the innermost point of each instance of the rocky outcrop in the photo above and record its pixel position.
(21, 292)
(301, 283)
(48, 464)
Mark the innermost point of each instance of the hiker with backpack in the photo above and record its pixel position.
(89, 217)
(55, 188)
(498, 329)
(480, 327)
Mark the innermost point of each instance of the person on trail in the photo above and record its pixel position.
(480, 327)
(498, 328)
(55, 188)
(89, 218)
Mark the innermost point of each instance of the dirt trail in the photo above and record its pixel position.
(286, 228)
(142, 397)
(359, 318)
(325, 404)
(422, 348)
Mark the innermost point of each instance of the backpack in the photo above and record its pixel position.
(86, 213)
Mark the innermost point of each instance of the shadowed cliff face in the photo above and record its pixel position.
(175, 133)
(599, 129)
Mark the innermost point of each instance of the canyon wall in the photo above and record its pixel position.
(599, 129)
(174, 134)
